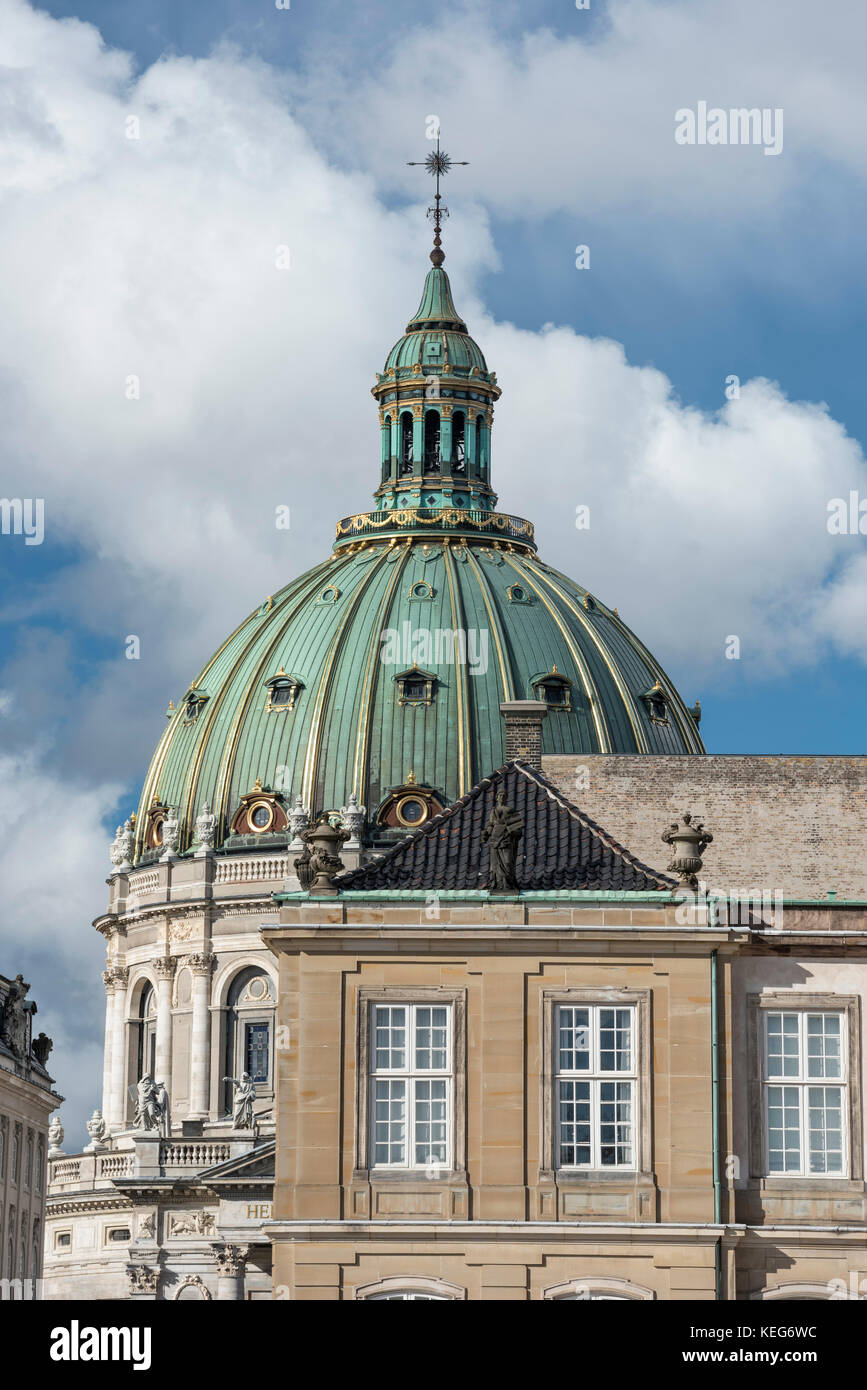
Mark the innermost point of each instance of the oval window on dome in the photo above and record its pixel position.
(412, 811)
(261, 816)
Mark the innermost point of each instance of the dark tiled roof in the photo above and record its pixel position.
(560, 848)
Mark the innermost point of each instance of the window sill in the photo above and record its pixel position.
(791, 1185)
(589, 1177)
(412, 1176)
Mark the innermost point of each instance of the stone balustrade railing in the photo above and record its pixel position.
(65, 1170)
(264, 866)
(182, 1153)
(114, 1166)
(146, 882)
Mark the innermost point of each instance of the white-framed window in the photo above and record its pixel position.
(595, 1084)
(805, 1092)
(411, 1082)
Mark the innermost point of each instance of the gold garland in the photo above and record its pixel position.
(447, 516)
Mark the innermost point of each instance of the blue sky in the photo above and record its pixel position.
(259, 127)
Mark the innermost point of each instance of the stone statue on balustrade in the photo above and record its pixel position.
(242, 1107)
(152, 1107)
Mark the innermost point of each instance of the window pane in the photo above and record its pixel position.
(615, 1128)
(258, 1051)
(823, 1045)
(389, 1037)
(430, 1122)
(574, 1124)
(389, 1122)
(615, 1040)
(825, 1128)
(431, 1038)
(784, 1130)
(574, 1039)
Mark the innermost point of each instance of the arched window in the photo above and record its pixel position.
(16, 1153)
(40, 1165)
(22, 1252)
(35, 1252)
(480, 464)
(410, 1287)
(459, 440)
(28, 1160)
(250, 1031)
(406, 457)
(432, 441)
(147, 1032)
(10, 1246)
(2, 1148)
(599, 1289)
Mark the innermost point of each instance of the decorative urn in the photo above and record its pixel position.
(688, 844)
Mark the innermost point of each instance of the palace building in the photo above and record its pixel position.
(405, 996)
(27, 1100)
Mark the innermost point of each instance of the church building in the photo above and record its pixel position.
(443, 962)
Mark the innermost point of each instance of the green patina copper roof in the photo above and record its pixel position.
(437, 305)
(437, 319)
(347, 730)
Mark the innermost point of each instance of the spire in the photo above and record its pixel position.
(437, 163)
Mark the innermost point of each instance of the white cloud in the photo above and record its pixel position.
(53, 860)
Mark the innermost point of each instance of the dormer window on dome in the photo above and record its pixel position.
(260, 811)
(657, 704)
(555, 689)
(194, 703)
(415, 687)
(409, 806)
(517, 594)
(283, 691)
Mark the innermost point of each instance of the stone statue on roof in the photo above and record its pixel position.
(502, 835)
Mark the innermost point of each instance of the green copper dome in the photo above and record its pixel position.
(383, 668)
(436, 334)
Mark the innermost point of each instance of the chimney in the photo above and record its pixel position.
(524, 730)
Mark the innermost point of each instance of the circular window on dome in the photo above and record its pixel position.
(261, 815)
(412, 811)
(158, 831)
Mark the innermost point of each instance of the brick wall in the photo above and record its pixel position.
(780, 823)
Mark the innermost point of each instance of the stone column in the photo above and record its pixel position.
(165, 973)
(118, 1049)
(107, 1089)
(230, 1272)
(201, 966)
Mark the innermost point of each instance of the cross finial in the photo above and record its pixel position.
(438, 163)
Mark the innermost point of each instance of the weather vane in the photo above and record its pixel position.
(437, 163)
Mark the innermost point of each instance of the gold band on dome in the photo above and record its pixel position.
(496, 628)
(311, 762)
(629, 705)
(225, 766)
(362, 738)
(597, 709)
(465, 767)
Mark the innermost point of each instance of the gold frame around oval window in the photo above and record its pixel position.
(254, 806)
(414, 824)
